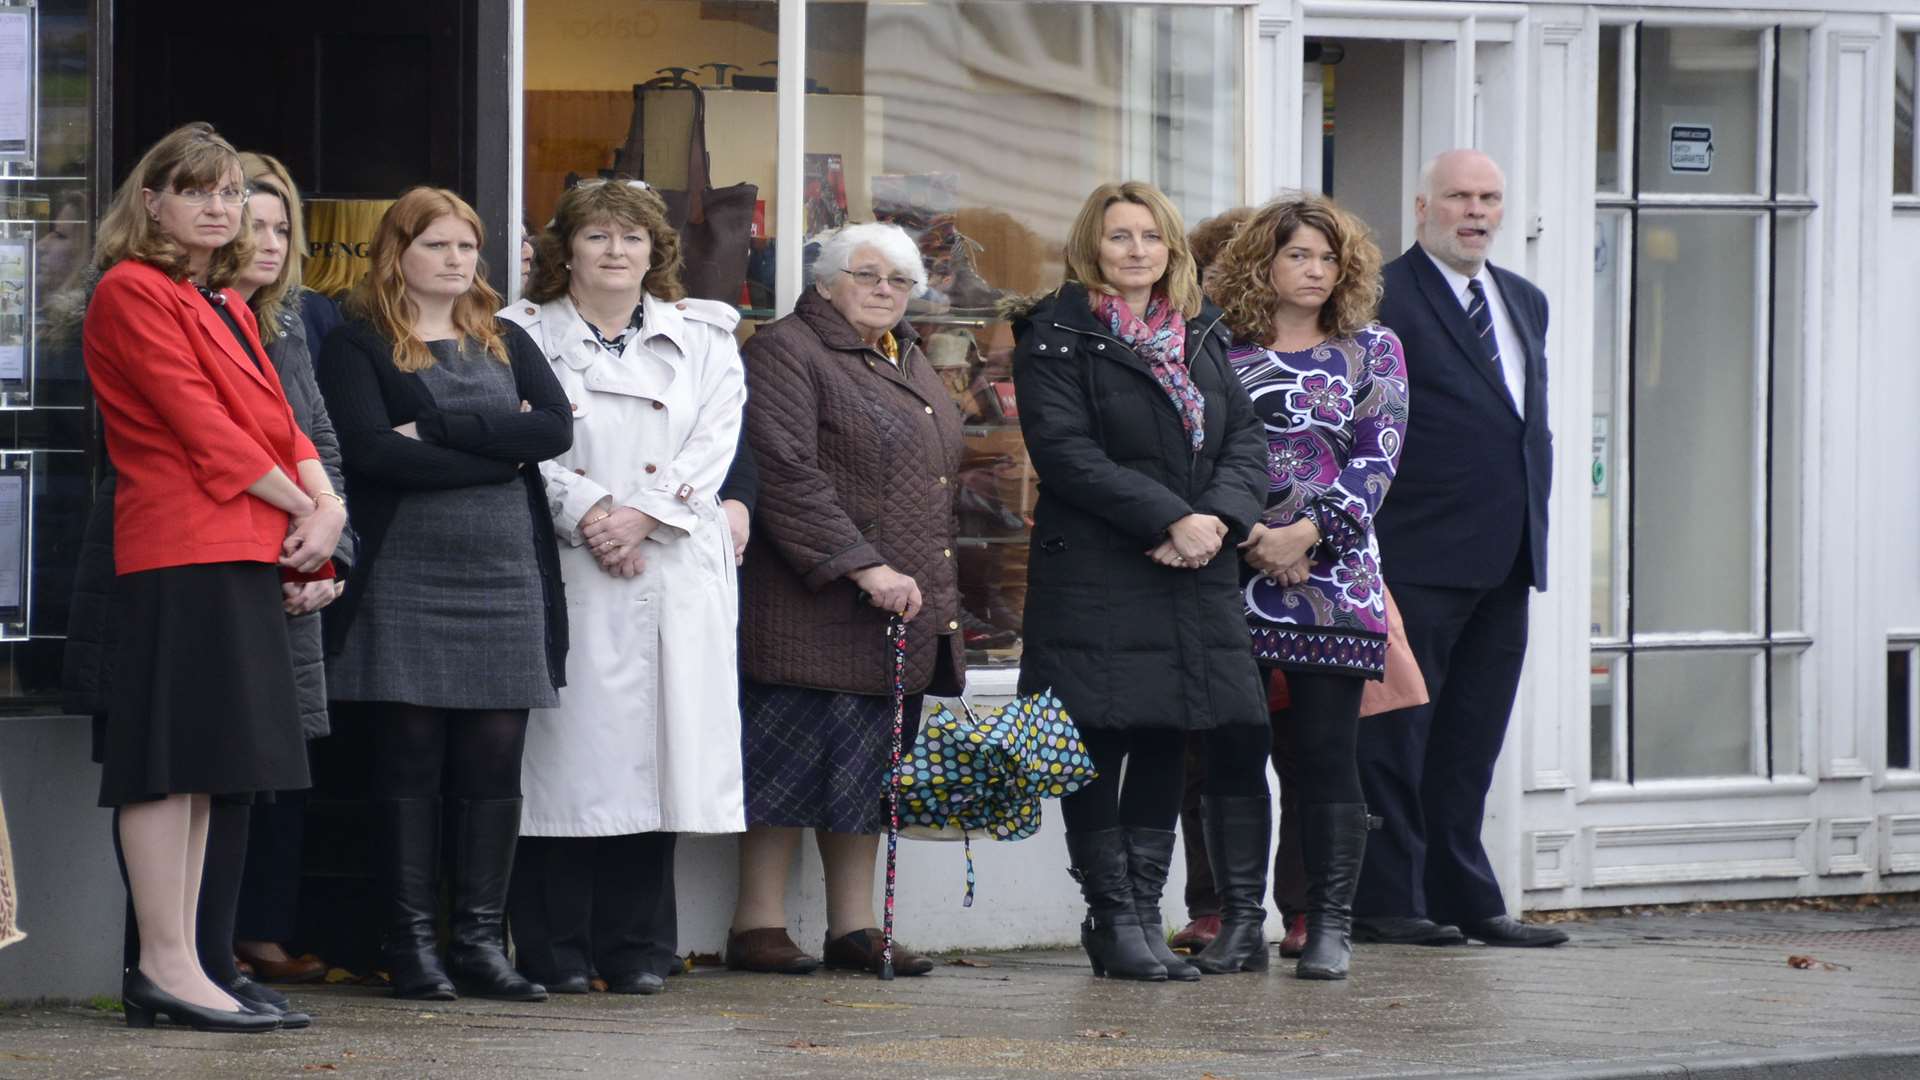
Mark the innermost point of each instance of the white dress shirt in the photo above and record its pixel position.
(1513, 357)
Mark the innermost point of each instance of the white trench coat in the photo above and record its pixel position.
(647, 733)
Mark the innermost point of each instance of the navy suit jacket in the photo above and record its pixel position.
(1470, 497)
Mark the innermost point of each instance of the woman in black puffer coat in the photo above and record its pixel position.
(1152, 465)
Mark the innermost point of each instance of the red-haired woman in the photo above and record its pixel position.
(454, 623)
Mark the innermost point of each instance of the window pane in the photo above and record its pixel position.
(1790, 104)
(1692, 714)
(1784, 715)
(1111, 92)
(1694, 443)
(1604, 688)
(1609, 300)
(1699, 119)
(1608, 172)
(1785, 510)
(1903, 95)
(1900, 708)
(583, 60)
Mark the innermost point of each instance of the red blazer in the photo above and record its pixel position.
(191, 423)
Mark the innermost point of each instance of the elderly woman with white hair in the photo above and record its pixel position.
(858, 443)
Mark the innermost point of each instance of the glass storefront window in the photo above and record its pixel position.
(1906, 60)
(1610, 243)
(1609, 169)
(1693, 714)
(1699, 114)
(979, 127)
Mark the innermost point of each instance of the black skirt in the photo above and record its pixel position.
(201, 696)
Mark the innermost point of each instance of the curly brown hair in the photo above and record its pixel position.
(1210, 237)
(1241, 279)
(619, 203)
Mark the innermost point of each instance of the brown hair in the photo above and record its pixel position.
(617, 203)
(1210, 237)
(269, 177)
(190, 156)
(1182, 288)
(381, 297)
(1242, 277)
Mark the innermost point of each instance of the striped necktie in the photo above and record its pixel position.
(1482, 319)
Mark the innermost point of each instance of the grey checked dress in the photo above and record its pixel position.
(453, 616)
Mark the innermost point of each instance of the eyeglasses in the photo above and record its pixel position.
(231, 197)
(868, 279)
(601, 181)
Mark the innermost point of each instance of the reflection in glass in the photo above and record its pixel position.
(945, 105)
(1693, 714)
(1785, 499)
(1694, 443)
(1699, 122)
(1900, 671)
(1609, 412)
(1784, 713)
(1608, 171)
(1604, 694)
(1790, 110)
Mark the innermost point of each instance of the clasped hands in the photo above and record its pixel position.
(1282, 553)
(1191, 542)
(613, 534)
(312, 537)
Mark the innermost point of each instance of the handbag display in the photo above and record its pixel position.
(715, 224)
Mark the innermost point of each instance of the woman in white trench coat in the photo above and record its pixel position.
(645, 742)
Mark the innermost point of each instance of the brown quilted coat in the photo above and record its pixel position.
(857, 463)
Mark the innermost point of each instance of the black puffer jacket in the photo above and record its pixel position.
(1123, 641)
(90, 625)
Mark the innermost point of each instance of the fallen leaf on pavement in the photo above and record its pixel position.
(704, 959)
(597, 985)
(328, 1067)
(742, 1016)
(802, 1044)
(967, 961)
(1099, 1033)
(1396, 1004)
(335, 976)
(1809, 963)
(862, 1004)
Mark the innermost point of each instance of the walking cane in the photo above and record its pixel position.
(897, 631)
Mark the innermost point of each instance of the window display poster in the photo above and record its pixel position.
(13, 541)
(16, 262)
(16, 83)
(826, 193)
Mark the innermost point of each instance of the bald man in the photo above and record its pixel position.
(1463, 537)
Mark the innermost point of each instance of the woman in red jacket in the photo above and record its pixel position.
(219, 496)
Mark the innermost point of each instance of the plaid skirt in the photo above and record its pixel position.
(818, 759)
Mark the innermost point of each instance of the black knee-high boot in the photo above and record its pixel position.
(1149, 854)
(1334, 840)
(1239, 844)
(485, 832)
(410, 869)
(1111, 933)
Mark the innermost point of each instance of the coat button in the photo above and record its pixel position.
(531, 310)
(579, 472)
(953, 624)
(929, 409)
(948, 552)
(650, 468)
(943, 481)
(681, 306)
(1102, 347)
(576, 408)
(657, 405)
(1042, 346)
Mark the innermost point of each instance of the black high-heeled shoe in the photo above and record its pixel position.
(289, 1019)
(244, 989)
(144, 1000)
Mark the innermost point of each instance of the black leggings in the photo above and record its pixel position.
(470, 753)
(1155, 758)
(1324, 722)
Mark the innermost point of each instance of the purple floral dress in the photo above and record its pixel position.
(1336, 416)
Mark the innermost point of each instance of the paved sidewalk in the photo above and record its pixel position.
(1710, 995)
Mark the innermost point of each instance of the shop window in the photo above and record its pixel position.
(1902, 736)
(1697, 622)
(979, 127)
(1906, 62)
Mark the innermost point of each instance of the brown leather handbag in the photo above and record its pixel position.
(715, 224)
(1404, 685)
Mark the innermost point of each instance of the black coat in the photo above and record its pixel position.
(1123, 641)
(368, 397)
(1470, 499)
(90, 624)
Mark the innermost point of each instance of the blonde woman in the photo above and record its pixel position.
(1151, 467)
(453, 624)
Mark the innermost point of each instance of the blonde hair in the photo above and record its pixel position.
(618, 203)
(1241, 279)
(1179, 283)
(192, 156)
(381, 297)
(269, 177)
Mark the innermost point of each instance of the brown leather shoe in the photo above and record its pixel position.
(770, 950)
(299, 969)
(1197, 934)
(1295, 942)
(862, 950)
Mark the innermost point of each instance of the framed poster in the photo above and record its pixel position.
(16, 542)
(18, 64)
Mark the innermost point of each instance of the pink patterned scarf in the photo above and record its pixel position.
(1161, 339)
